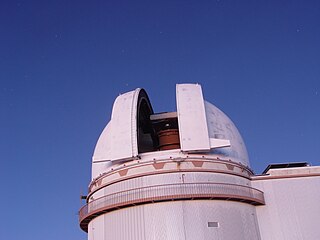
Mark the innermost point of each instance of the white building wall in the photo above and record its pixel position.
(292, 210)
(180, 220)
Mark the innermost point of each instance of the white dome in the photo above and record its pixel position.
(202, 129)
(220, 126)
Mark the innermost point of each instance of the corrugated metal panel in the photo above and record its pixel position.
(171, 178)
(164, 221)
(97, 229)
(192, 121)
(179, 220)
(235, 220)
(292, 209)
(128, 224)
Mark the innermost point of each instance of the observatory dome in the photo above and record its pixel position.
(197, 127)
(220, 126)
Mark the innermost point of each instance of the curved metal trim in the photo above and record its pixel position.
(168, 192)
(96, 185)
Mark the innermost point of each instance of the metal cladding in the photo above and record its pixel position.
(172, 175)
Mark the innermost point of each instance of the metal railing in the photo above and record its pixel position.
(157, 193)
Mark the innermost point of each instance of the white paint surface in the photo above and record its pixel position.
(181, 220)
(192, 121)
(292, 210)
(118, 140)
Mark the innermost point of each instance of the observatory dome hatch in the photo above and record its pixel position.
(196, 127)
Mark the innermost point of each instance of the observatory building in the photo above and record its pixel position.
(186, 175)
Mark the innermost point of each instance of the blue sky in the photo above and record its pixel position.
(62, 64)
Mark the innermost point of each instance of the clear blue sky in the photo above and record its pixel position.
(62, 63)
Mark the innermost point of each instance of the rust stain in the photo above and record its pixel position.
(158, 165)
(123, 172)
(230, 167)
(99, 182)
(197, 163)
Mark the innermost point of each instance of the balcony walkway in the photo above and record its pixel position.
(168, 192)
